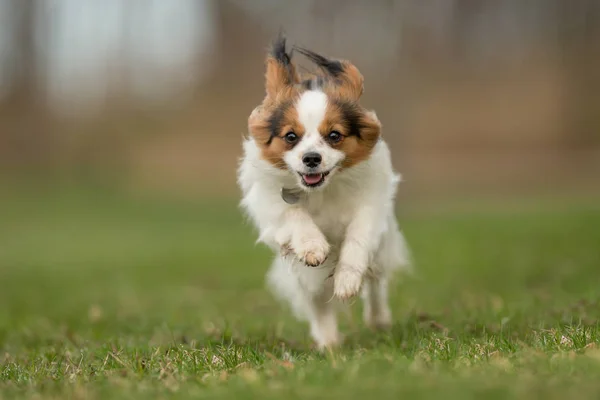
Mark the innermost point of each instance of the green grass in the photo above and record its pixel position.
(112, 297)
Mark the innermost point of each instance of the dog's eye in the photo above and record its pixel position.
(291, 137)
(334, 136)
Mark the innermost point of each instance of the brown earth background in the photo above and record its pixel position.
(476, 97)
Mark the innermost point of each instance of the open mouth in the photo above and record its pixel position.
(313, 180)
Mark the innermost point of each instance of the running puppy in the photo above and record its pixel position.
(318, 183)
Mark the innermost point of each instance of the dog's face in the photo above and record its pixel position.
(313, 126)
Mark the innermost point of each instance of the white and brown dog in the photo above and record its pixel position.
(318, 182)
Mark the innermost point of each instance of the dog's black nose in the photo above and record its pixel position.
(311, 159)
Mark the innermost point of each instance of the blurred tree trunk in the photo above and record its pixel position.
(23, 87)
(579, 37)
(26, 141)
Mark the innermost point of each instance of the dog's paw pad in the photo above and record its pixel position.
(313, 252)
(314, 259)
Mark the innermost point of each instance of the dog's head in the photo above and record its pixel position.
(313, 125)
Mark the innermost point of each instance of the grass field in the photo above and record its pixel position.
(105, 296)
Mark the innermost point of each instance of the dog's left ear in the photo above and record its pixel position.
(281, 73)
(348, 78)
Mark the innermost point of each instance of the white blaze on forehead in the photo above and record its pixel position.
(311, 109)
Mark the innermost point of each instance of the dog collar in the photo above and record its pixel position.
(290, 196)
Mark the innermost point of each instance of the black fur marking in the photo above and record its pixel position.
(279, 53)
(314, 83)
(333, 67)
(276, 120)
(307, 84)
(278, 50)
(352, 116)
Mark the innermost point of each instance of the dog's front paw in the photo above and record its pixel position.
(313, 251)
(346, 283)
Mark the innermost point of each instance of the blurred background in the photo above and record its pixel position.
(476, 97)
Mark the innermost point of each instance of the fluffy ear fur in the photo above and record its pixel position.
(281, 72)
(347, 77)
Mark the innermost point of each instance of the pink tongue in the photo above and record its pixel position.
(312, 179)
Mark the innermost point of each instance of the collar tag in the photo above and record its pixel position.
(290, 196)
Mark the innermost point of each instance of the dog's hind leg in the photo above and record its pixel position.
(376, 309)
(393, 255)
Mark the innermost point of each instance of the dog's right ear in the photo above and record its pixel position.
(281, 73)
(348, 78)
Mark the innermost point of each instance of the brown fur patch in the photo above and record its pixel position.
(269, 127)
(347, 77)
(351, 82)
(359, 149)
(279, 77)
(360, 128)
